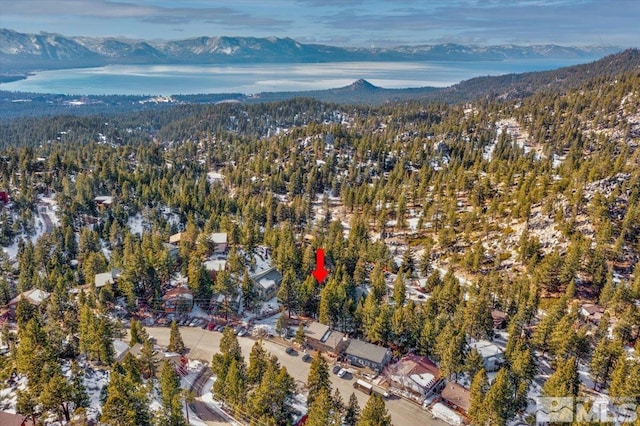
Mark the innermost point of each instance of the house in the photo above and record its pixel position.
(104, 278)
(176, 238)
(499, 319)
(267, 283)
(122, 348)
(321, 338)
(178, 299)
(365, 354)
(172, 249)
(34, 296)
(103, 201)
(591, 312)
(457, 396)
(213, 266)
(415, 374)
(219, 242)
(492, 355)
(11, 419)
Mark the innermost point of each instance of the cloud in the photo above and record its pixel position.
(150, 13)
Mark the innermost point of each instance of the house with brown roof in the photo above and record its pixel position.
(11, 419)
(592, 312)
(35, 297)
(178, 299)
(415, 374)
(457, 396)
(321, 338)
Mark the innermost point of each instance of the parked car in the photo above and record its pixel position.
(290, 351)
(336, 369)
(211, 326)
(242, 332)
(342, 372)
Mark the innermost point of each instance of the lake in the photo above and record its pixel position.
(256, 78)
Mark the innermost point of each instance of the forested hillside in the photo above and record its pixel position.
(527, 206)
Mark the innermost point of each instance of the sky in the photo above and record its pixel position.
(363, 23)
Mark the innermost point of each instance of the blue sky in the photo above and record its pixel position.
(340, 22)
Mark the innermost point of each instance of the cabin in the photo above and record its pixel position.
(219, 242)
(176, 238)
(363, 354)
(103, 201)
(492, 355)
(11, 419)
(178, 299)
(457, 397)
(213, 266)
(107, 278)
(34, 297)
(591, 312)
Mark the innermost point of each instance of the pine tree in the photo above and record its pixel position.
(473, 363)
(57, 395)
(300, 336)
(564, 382)
(478, 390)
(169, 384)
(318, 378)
(321, 411)
(399, 290)
(175, 339)
(352, 412)
(148, 363)
(126, 403)
(499, 399)
(137, 333)
(288, 292)
(257, 363)
(602, 360)
(374, 413)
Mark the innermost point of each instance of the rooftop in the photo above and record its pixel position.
(486, 348)
(218, 237)
(457, 395)
(364, 350)
(34, 296)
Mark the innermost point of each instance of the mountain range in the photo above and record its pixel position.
(22, 52)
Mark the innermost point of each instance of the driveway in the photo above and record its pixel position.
(203, 344)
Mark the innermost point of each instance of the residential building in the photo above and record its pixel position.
(267, 283)
(219, 241)
(173, 250)
(365, 354)
(11, 419)
(499, 319)
(178, 299)
(103, 201)
(34, 296)
(176, 238)
(213, 266)
(457, 396)
(591, 312)
(104, 278)
(415, 374)
(321, 338)
(492, 355)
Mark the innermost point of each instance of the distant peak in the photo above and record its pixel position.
(362, 84)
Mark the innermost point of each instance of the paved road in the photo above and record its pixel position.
(204, 412)
(203, 344)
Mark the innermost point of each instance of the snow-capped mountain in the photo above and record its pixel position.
(20, 51)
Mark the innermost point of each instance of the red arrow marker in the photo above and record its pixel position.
(320, 273)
